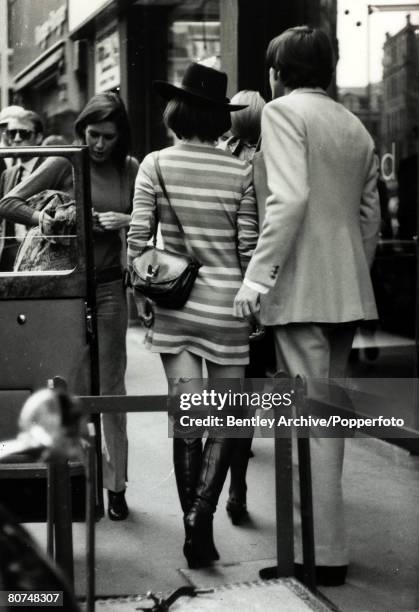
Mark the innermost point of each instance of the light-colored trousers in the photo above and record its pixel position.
(319, 351)
(112, 321)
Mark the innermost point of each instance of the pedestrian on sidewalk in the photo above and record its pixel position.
(213, 196)
(243, 143)
(104, 127)
(7, 113)
(25, 128)
(309, 277)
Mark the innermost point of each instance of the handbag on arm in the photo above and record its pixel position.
(161, 275)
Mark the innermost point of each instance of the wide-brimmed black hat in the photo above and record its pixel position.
(199, 84)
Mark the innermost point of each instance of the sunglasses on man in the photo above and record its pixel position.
(23, 134)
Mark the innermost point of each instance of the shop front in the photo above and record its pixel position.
(126, 45)
(41, 63)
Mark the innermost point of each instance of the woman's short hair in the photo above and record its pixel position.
(246, 123)
(195, 120)
(304, 57)
(107, 106)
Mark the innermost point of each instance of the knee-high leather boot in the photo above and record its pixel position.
(236, 504)
(199, 548)
(187, 461)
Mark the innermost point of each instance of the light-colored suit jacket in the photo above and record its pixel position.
(323, 216)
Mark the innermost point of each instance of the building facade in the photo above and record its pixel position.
(366, 103)
(66, 51)
(401, 91)
(40, 67)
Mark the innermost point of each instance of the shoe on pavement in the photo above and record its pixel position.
(117, 506)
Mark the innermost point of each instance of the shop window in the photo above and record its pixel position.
(379, 60)
(194, 37)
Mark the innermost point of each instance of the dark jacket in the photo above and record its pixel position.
(9, 179)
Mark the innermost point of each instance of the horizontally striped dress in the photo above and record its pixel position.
(213, 195)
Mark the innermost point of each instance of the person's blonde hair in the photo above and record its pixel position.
(245, 123)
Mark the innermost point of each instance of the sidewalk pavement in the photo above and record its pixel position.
(145, 552)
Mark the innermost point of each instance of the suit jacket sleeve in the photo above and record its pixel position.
(284, 149)
(52, 174)
(370, 212)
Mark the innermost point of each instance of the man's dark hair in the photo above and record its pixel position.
(203, 121)
(304, 57)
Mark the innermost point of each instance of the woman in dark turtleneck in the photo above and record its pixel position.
(103, 126)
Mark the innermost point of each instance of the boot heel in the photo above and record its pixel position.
(237, 511)
(199, 548)
(190, 554)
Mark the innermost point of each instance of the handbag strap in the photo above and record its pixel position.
(166, 195)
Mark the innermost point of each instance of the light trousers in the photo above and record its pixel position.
(319, 351)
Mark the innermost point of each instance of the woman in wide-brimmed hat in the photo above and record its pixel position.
(213, 196)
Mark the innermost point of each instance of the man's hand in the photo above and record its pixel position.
(246, 303)
(46, 223)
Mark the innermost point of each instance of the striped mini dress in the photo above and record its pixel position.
(213, 196)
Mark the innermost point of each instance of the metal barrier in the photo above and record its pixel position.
(283, 479)
(283, 462)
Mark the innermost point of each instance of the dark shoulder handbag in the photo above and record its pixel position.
(165, 277)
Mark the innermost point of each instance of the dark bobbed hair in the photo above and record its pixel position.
(304, 57)
(196, 120)
(107, 106)
(246, 123)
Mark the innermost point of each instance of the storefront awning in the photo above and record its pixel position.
(37, 68)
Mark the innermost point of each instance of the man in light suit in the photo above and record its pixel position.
(309, 275)
(24, 129)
